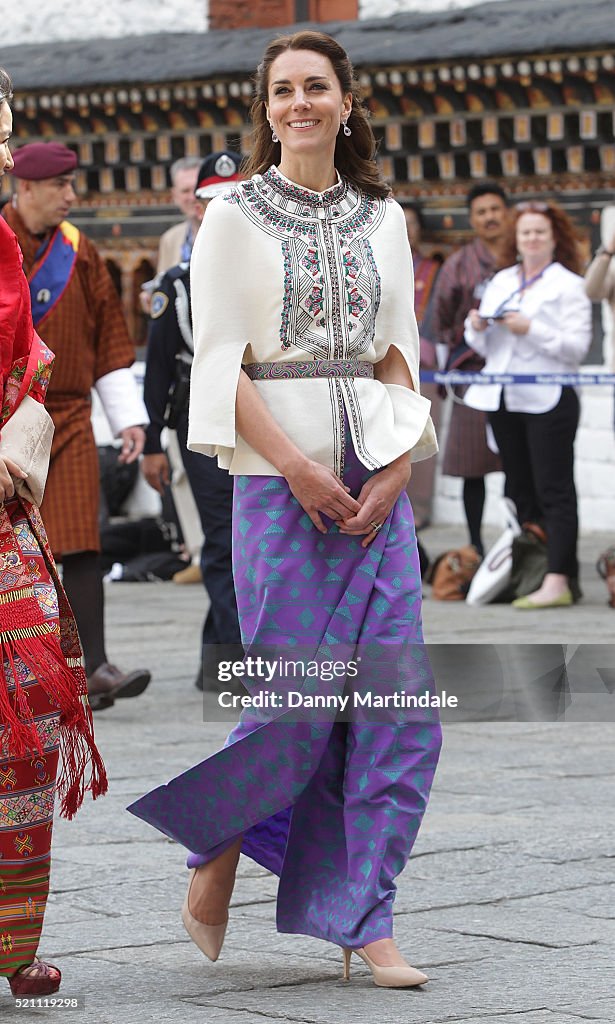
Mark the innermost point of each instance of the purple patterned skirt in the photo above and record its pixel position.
(331, 806)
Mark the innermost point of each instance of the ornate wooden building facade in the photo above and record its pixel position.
(454, 98)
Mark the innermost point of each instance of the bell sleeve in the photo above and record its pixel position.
(396, 325)
(218, 270)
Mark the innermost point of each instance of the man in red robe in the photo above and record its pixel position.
(460, 286)
(421, 486)
(78, 314)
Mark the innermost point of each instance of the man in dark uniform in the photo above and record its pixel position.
(166, 390)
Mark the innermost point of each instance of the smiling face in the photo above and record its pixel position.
(182, 193)
(305, 104)
(6, 127)
(535, 240)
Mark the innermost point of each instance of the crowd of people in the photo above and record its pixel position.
(514, 301)
(284, 353)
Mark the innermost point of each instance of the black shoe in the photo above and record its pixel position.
(107, 684)
(206, 681)
(133, 683)
(100, 701)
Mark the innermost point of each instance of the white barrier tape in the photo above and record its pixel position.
(564, 379)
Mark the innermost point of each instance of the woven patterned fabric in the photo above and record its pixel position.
(332, 807)
(88, 335)
(27, 787)
(467, 453)
(315, 368)
(458, 290)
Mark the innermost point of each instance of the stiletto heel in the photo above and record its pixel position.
(386, 977)
(208, 937)
(347, 954)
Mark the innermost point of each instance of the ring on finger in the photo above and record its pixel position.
(376, 527)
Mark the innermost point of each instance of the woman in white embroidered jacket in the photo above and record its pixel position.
(535, 319)
(305, 384)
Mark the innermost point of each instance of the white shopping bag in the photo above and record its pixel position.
(493, 574)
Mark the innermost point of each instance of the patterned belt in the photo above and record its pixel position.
(313, 368)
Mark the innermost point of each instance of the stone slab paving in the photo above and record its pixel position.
(508, 901)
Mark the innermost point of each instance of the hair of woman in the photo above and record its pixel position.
(6, 87)
(566, 237)
(355, 154)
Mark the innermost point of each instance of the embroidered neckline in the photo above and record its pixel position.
(289, 189)
(337, 201)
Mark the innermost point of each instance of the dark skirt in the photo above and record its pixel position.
(466, 453)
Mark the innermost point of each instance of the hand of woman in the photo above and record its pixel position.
(476, 320)
(517, 323)
(8, 470)
(320, 490)
(377, 498)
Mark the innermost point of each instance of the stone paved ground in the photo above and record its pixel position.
(508, 901)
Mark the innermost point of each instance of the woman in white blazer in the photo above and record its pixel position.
(535, 319)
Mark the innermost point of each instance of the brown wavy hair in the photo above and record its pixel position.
(355, 155)
(567, 238)
(6, 87)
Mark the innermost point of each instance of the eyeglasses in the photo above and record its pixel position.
(532, 206)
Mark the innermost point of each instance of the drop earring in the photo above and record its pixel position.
(274, 137)
(347, 130)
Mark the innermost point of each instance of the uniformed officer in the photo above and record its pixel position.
(166, 390)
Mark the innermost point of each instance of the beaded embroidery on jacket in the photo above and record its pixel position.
(332, 287)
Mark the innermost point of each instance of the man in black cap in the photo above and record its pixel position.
(77, 312)
(166, 389)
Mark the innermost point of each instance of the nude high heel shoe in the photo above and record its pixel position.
(386, 977)
(208, 937)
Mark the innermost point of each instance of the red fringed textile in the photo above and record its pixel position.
(46, 646)
(52, 655)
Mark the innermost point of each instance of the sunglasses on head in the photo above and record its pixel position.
(532, 206)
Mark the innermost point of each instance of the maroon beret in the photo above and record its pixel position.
(39, 160)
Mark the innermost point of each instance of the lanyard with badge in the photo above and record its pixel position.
(504, 306)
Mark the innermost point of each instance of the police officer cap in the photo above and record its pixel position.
(217, 174)
(40, 160)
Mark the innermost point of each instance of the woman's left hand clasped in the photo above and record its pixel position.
(377, 498)
(8, 470)
(319, 490)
